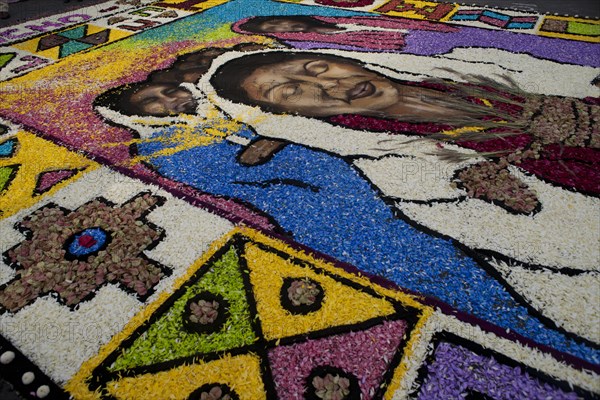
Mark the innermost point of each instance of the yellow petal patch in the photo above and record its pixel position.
(241, 373)
(342, 304)
(349, 300)
(35, 156)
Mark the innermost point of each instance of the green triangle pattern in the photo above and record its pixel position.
(5, 58)
(75, 33)
(7, 174)
(73, 47)
(166, 339)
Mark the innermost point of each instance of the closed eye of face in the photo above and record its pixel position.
(320, 85)
(290, 90)
(148, 100)
(295, 89)
(314, 68)
(283, 25)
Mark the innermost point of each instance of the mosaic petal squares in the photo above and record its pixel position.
(417, 9)
(571, 28)
(587, 29)
(496, 19)
(342, 305)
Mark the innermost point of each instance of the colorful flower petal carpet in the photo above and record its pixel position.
(300, 199)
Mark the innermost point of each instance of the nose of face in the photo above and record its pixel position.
(168, 102)
(329, 83)
(170, 99)
(321, 73)
(326, 82)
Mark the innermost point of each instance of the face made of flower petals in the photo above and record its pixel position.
(283, 25)
(161, 99)
(320, 87)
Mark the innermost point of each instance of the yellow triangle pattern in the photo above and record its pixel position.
(94, 29)
(241, 373)
(32, 46)
(113, 34)
(37, 155)
(116, 34)
(54, 52)
(342, 305)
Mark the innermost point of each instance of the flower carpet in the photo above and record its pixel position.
(300, 199)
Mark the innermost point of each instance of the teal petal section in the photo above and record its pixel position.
(73, 47)
(75, 33)
(8, 147)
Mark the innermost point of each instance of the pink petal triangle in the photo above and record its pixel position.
(50, 178)
(365, 354)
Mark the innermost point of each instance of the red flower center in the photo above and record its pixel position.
(86, 241)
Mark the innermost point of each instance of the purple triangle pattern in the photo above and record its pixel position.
(365, 354)
(46, 180)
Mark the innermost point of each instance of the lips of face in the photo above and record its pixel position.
(164, 99)
(362, 89)
(321, 87)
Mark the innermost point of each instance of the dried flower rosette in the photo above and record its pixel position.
(331, 387)
(493, 182)
(301, 295)
(214, 391)
(331, 383)
(205, 313)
